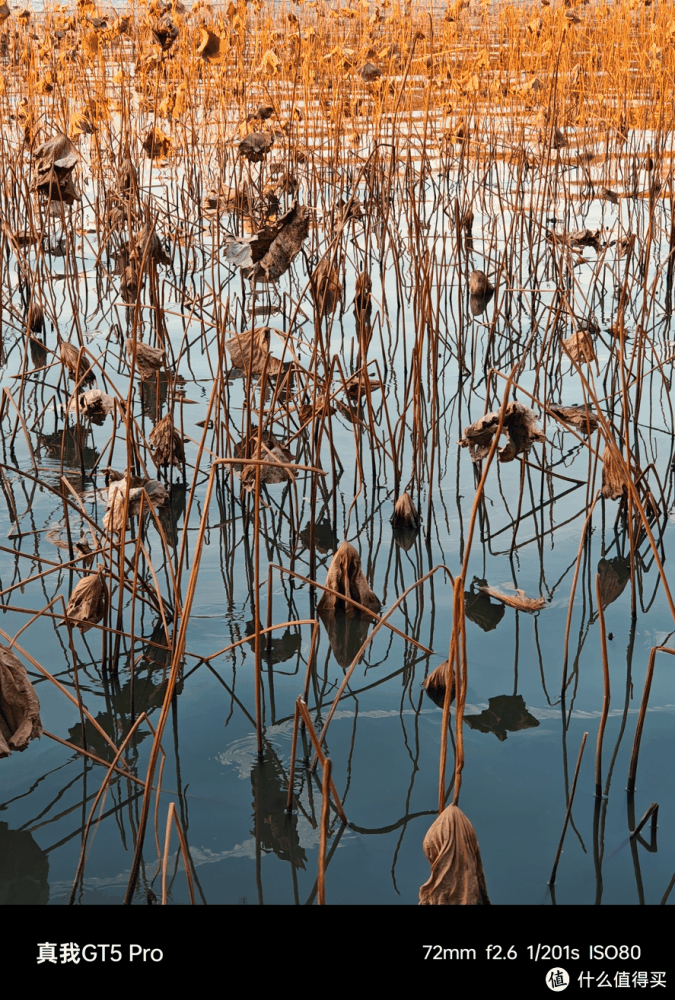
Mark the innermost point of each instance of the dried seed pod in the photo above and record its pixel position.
(405, 515)
(19, 706)
(457, 876)
(76, 362)
(167, 443)
(346, 576)
(88, 602)
(149, 360)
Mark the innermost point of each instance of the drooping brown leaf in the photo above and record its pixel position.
(148, 245)
(167, 443)
(293, 232)
(93, 404)
(164, 32)
(520, 601)
(436, 684)
(212, 47)
(156, 143)
(346, 576)
(405, 515)
(19, 706)
(269, 474)
(326, 287)
(479, 284)
(579, 416)
(250, 349)
(88, 602)
(53, 165)
(77, 363)
(520, 426)
(457, 876)
(579, 346)
(256, 145)
(149, 360)
(35, 320)
(130, 490)
(613, 477)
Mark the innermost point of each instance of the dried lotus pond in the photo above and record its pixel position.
(336, 365)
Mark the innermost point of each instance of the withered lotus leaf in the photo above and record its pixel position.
(19, 706)
(249, 349)
(578, 416)
(284, 247)
(149, 360)
(346, 576)
(520, 426)
(405, 514)
(53, 165)
(167, 443)
(88, 602)
(613, 476)
(437, 682)
(457, 877)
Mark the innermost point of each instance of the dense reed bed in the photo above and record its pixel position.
(334, 339)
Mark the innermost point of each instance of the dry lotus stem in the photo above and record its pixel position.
(437, 682)
(405, 515)
(457, 877)
(613, 476)
(76, 362)
(149, 360)
(346, 576)
(520, 426)
(88, 602)
(519, 600)
(167, 443)
(19, 706)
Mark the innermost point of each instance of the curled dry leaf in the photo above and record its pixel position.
(250, 349)
(457, 876)
(167, 443)
(520, 601)
(613, 575)
(579, 347)
(76, 362)
(132, 488)
(88, 602)
(346, 576)
(212, 47)
(479, 284)
(326, 287)
(255, 146)
(437, 683)
(579, 416)
(19, 706)
(520, 426)
(53, 165)
(294, 228)
(156, 143)
(613, 476)
(405, 514)
(269, 474)
(93, 404)
(148, 244)
(149, 360)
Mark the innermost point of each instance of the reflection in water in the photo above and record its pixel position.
(69, 443)
(613, 575)
(276, 649)
(507, 714)
(275, 829)
(325, 536)
(346, 633)
(480, 609)
(24, 869)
